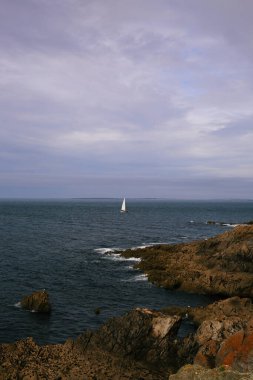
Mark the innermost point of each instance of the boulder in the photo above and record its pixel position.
(142, 335)
(37, 301)
(237, 351)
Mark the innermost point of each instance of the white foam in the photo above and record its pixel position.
(143, 246)
(113, 256)
(104, 250)
(141, 277)
(230, 225)
(118, 257)
(129, 267)
(18, 304)
(138, 277)
(140, 247)
(138, 259)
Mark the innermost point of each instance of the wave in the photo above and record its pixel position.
(230, 225)
(141, 277)
(147, 245)
(104, 251)
(138, 277)
(18, 305)
(118, 257)
(114, 254)
(222, 224)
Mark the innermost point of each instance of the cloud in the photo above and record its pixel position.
(162, 90)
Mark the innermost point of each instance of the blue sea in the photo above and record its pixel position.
(69, 248)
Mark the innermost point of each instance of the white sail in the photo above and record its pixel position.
(123, 207)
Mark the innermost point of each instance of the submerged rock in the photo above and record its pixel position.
(37, 301)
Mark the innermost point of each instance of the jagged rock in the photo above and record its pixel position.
(144, 344)
(234, 307)
(194, 372)
(37, 301)
(224, 335)
(219, 265)
(25, 360)
(237, 351)
(143, 335)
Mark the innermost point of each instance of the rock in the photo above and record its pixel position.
(195, 372)
(237, 351)
(37, 301)
(224, 335)
(143, 344)
(222, 265)
(25, 360)
(234, 307)
(143, 335)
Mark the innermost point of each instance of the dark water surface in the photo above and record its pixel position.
(67, 248)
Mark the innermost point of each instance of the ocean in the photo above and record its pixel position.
(69, 248)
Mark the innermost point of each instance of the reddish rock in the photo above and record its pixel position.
(224, 335)
(229, 349)
(237, 352)
(206, 354)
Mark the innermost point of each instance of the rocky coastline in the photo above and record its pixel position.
(144, 344)
(221, 265)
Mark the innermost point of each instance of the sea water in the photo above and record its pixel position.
(69, 248)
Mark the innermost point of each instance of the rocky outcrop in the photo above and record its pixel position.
(143, 335)
(195, 372)
(138, 345)
(220, 265)
(224, 335)
(143, 344)
(25, 360)
(37, 301)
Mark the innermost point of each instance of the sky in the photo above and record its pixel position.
(135, 98)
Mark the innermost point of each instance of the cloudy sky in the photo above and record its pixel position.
(136, 98)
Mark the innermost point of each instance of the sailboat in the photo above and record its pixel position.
(123, 207)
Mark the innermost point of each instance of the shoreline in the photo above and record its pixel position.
(144, 343)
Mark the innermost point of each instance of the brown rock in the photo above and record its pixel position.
(37, 301)
(195, 372)
(25, 360)
(236, 308)
(223, 336)
(219, 265)
(145, 336)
